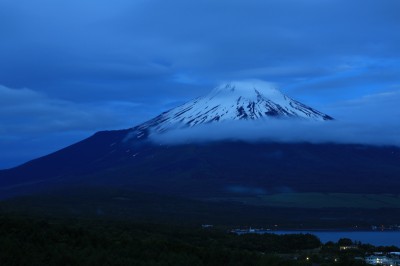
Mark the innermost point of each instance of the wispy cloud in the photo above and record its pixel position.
(28, 111)
(286, 131)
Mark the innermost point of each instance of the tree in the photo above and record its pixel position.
(345, 242)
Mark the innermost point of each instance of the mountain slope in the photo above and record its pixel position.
(220, 169)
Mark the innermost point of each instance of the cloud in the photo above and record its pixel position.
(25, 110)
(379, 109)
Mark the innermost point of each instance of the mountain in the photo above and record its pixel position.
(229, 102)
(234, 101)
(220, 170)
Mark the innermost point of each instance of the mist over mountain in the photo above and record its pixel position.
(285, 131)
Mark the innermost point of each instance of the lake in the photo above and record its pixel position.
(376, 238)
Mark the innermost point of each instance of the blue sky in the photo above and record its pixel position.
(70, 68)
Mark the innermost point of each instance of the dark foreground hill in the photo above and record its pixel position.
(107, 204)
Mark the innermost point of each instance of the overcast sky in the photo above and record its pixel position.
(69, 68)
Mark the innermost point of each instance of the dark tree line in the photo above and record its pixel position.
(25, 241)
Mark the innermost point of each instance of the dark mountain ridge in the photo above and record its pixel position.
(210, 169)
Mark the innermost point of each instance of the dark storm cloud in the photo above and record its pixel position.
(51, 41)
(238, 35)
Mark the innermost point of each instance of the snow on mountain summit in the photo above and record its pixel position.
(241, 100)
(246, 89)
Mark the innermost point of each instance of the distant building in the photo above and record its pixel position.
(206, 225)
(251, 231)
(348, 247)
(382, 260)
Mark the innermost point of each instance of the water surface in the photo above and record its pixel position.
(376, 238)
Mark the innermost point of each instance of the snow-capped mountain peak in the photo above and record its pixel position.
(247, 89)
(243, 100)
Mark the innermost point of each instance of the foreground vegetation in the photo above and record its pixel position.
(120, 204)
(33, 241)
